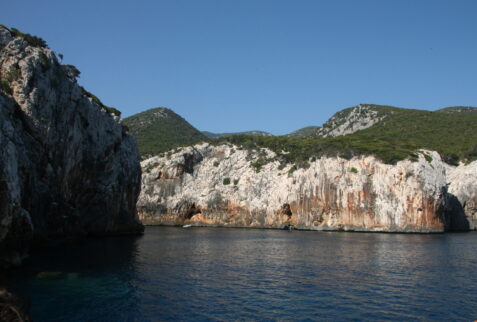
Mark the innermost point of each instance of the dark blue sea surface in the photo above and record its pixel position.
(248, 274)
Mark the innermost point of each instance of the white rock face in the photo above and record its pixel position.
(359, 118)
(216, 185)
(66, 166)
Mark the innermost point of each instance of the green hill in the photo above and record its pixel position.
(306, 132)
(397, 135)
(459, 109)
(160, 129)
(347, 121)
(389, 133)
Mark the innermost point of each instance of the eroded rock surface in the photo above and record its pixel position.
(221, 188)
(67, 167)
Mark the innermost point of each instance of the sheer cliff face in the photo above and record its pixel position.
(216, 185)
(66, 166)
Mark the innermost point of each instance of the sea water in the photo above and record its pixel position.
(251, 274)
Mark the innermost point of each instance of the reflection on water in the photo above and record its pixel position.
(230, 274)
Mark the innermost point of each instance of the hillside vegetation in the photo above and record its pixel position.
(306, 132)
(389, 133)
(459, 109)
(396, 137)
(160, 129)
(347, 121)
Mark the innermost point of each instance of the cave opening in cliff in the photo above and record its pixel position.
(286, 210)
(191, 211)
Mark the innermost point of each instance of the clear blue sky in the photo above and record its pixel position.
(235, 65)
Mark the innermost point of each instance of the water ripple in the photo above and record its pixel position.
(206, 274)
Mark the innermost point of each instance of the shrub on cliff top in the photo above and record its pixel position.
(71, 71)
(33, 41)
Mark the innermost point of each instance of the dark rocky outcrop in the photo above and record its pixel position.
(12, 308)
(67, 167)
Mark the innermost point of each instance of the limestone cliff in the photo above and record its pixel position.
(216, 185)
(67, 167)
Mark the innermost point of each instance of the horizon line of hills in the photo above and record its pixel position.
(306, 131)
(390, 133)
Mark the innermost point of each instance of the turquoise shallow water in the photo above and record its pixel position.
(246, 274)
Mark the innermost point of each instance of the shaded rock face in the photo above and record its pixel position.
(463, 187)
(361, 194)
(67, 167)
(12, 308)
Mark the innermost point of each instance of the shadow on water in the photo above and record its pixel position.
(74, 276)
